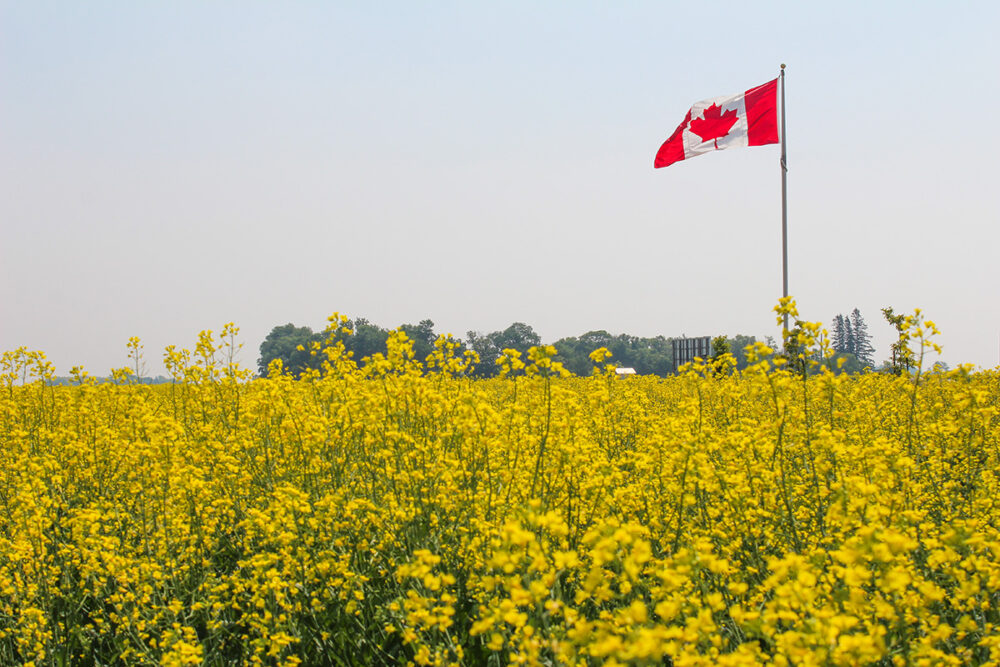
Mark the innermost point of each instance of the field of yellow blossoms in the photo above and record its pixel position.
(397, 512)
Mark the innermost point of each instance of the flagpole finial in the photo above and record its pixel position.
(782, 65)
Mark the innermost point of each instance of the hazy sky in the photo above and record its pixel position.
(170, 167)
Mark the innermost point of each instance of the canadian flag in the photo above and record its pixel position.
(747, 119)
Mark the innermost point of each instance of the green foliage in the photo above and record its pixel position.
(367, 339)
(648, 356)
(720, 347)
(849, 365)
(423, 337)
(737, 347)
(486, 348)
(292, 345)
(518, 336)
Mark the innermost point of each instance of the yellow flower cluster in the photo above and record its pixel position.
(394, 511)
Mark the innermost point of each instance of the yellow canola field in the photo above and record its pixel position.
(397, 512)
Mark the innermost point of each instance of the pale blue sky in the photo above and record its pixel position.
(169, 167)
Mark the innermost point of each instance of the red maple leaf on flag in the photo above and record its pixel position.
(713, 124)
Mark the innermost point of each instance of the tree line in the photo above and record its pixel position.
(294, 346)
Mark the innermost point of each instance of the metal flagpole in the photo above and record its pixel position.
(784, 199)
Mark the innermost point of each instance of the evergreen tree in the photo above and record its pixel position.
(849, 342)
(839, 340)
(863, 349)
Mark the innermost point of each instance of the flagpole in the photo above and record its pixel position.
(784, 199)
